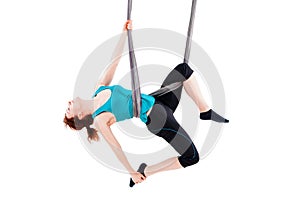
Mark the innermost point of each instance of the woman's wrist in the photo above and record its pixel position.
(131, 171)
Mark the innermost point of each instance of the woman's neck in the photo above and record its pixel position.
(87, 107)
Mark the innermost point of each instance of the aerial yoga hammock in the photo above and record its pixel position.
(135, 83)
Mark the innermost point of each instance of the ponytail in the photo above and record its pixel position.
(92, 134)
(77, 124)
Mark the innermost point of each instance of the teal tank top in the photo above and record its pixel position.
(120, 103)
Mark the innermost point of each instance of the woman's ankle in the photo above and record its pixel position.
(204, 109)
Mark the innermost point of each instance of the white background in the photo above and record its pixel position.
(255, 46)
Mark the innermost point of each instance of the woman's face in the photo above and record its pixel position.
(73, 108)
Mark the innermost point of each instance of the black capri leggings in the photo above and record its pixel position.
(162, 122)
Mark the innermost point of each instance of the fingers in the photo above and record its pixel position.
(139, 181)
(129, 21)
(128, 25)
(139, 178)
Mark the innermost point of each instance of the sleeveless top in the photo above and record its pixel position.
(120, 103)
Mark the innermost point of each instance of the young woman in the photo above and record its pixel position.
(111, 104)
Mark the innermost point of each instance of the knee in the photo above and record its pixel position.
(186, 161)
(185, 70)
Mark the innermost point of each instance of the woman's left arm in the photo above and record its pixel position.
(103, 122)
(116, 57)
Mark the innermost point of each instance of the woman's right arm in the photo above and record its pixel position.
(108, 74)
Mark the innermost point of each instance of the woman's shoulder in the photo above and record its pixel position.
(106, 86)
(105, 118)
(99, 88)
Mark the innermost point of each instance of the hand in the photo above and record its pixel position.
(137, 177)
(127, 25)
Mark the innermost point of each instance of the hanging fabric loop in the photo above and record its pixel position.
(135, 82)
(174, 86)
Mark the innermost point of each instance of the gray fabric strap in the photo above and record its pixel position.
(174, 86)
(166, 89)
(190, 33)
(135, 82)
